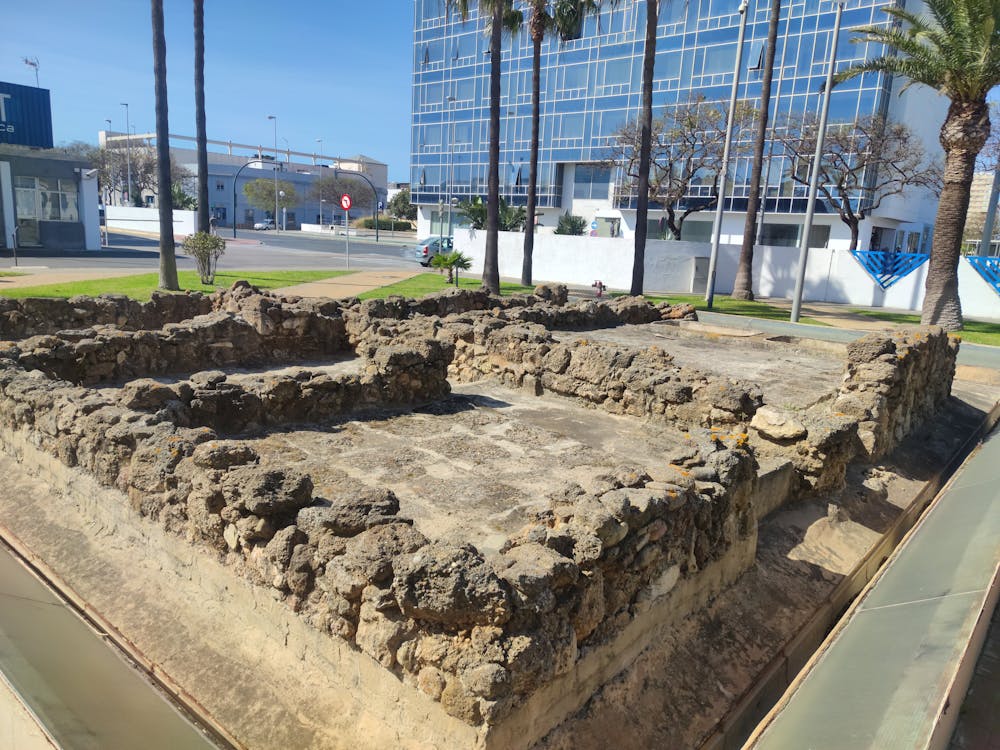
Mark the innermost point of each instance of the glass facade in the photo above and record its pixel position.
(591, 87)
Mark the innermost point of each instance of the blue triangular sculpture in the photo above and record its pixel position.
(888, 268)
(988, 268)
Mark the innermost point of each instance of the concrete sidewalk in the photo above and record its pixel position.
(351, 285)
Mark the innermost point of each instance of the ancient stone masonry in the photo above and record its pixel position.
(21, 318)
(893, 383)
(395, 376)
(479, 633)
(244, 328)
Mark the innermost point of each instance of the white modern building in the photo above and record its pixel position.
(232, 165)
(591, 87)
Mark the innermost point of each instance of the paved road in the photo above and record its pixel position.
(252, 250)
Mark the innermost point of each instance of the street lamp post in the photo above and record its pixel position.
(275, 118)
(814, 179)
(441, 223)
(128, 156)
(730, 120)
(452, 204)
(451, 156)
(235, 178)
(319, 177)
(108, 188)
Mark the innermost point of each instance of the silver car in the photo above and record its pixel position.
(428, 248)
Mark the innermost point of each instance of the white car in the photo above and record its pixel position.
(425, 250)
(266, 224)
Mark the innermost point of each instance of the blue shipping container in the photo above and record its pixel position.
(25, 115)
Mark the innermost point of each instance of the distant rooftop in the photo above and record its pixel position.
(231, 148)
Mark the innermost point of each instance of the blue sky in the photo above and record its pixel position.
(339, 70)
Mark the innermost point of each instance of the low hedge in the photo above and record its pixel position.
(397, 225)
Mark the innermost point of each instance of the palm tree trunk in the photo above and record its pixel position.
(491, 260)
(199, 114)
(537, 33)
(645, 148)
(963, 135)
(743, 286)
(168, 263)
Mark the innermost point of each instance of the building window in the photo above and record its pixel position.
(592, 181)
(220, 185)
(46, 199)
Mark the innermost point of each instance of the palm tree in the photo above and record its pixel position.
(199, 114)
(539, 23)
(743, 285)
(452, 262)
(645, 147)
(565, 18)
(168, 262)
(956, 52)
(503, 18)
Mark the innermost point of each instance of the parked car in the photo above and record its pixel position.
(428, 248)
(266, 224)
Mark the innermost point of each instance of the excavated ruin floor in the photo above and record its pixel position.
(471, 468)
(793, 374)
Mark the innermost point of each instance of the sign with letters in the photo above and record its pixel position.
(25, 115)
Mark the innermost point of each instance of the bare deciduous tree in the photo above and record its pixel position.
(687, 141)
(864, 162)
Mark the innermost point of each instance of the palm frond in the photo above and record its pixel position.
(954, 47)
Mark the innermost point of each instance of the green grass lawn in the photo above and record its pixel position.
(732, 306)
(428, 283)
(4, 274)
(974, 331)
(141, 286)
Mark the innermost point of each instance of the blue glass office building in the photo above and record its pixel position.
(591, 86)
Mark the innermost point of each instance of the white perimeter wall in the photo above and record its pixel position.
(832, 275)
(147, 220)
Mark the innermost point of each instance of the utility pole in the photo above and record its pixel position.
(275, 118)
(817, 158)
(128, 157)
(713, 258)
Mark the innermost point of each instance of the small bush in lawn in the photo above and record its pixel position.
(206, 250)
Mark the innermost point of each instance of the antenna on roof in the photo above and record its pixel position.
(32, 62)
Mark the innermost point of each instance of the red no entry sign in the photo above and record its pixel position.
(345, 202)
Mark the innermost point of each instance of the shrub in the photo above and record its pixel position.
(206, 250)
(569, 224)
(452, 261)
(397, 225)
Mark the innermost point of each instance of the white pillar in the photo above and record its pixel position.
(7, 194)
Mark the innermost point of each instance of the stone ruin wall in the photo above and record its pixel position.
(893, 383)
(33, 316)
(478, 633)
